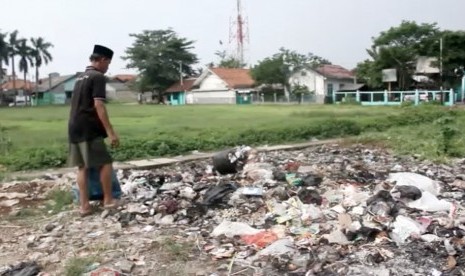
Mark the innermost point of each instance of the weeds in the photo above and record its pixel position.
(59, 200)
(5, 141)
(173, 249)
(78, 266)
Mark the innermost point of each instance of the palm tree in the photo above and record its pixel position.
(12, 51)
(41, 54)
(3, 53)
(26, 54)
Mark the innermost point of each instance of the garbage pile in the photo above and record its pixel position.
(327, 210)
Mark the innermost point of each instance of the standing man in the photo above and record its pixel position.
(89, 125)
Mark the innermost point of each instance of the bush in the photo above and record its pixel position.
(5, 141)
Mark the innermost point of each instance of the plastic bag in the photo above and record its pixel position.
(261, 239)
(95, 187)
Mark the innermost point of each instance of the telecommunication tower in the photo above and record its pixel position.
(239, 33)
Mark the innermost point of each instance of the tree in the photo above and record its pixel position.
(229, 61)
(277, 68)
(40, 54)
(269, 71)
(299, 91)
(453, 56)
(4, 57)
(12, 52)
(25, 54)
(399, 48)
(157, 55)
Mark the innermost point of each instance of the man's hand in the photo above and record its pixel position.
(114, 140)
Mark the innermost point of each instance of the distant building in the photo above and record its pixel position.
(55, 89)
(324, 80)
(222, 86)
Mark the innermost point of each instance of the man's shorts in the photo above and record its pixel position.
(89, 154)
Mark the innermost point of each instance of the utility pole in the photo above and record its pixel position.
(180, 72)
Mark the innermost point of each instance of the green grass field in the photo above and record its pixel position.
(48, 125)
(38, 135)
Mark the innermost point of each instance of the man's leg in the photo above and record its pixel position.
(106, 180)
(101, 158)
(83, 191)
(78, 154)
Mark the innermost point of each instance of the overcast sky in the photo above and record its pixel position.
(339, 30)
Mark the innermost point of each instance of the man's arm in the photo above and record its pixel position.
(103, 116)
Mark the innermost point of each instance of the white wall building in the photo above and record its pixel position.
(324, 80)
(220, 86)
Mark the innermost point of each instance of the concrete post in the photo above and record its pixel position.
(417, 97)
(451, 97)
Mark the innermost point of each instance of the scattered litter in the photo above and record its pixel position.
(260, 239)
(327, 210)
(22, 269)
(231, 229)
(216, 193)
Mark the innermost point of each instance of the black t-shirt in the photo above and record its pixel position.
(84, 123)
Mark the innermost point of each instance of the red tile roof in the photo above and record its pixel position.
(177, 87)
(124, 77)
(19, 84)
(335, 71)
(235, 78)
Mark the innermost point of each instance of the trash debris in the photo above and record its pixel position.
(294, 180)
(406, 192)
(430, 203)
(325, 210)
(310, 197)
(231, 161)
(105, 271)
(423, 183)
(252, 191)
(278, 248)
(311, 181)
(216, 193)
(261, 239)
(22, 269)
(405, 227)
(95, 187)
(231, 229)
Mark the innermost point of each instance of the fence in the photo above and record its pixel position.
(395, 97)
(280, 98)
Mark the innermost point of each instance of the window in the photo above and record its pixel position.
(330, 89)
(303, 73)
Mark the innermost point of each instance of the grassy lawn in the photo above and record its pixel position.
(48, 125)
(39, 138)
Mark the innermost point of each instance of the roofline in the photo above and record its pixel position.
(56, 85)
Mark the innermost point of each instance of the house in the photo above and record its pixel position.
(176, 94)
(323, 80)
(222, 86)
(17, 91)
(119, 91)
(19, 85)
(124, 78)
(55, 89)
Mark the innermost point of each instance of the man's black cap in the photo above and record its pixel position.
(103, 51)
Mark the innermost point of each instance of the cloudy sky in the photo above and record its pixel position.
(339, 30)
